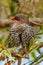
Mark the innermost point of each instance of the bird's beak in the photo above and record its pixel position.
(12, 18)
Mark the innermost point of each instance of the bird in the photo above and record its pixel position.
(21, 31)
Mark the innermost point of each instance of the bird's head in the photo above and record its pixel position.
(20, 18)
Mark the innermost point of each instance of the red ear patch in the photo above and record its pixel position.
(19, 20)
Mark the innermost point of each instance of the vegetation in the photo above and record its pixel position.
(30, 10)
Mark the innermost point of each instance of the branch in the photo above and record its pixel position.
(19, 61)
(20, 53)
(36, 60)
(5, 23)
(8, 22)
(39, 62)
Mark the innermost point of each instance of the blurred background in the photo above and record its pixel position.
(31, 9)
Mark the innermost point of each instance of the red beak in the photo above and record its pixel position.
(13, 19)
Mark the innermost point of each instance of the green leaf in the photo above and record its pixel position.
(38, 50)
(37, 37)
(1, 39)
(5, 3)
(16, 1)
(7, 40)
(37, 28)
(12, 9)
(32, 41)
(37, 58)
(33, 54)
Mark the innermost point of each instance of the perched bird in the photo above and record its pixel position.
(20, 31)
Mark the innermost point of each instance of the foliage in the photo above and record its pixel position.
(27, 8)
(5, 3)
(32, 47)
(11, 5)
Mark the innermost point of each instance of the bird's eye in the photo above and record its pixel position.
(16, 18)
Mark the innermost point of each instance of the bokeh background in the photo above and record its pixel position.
(31, 9)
